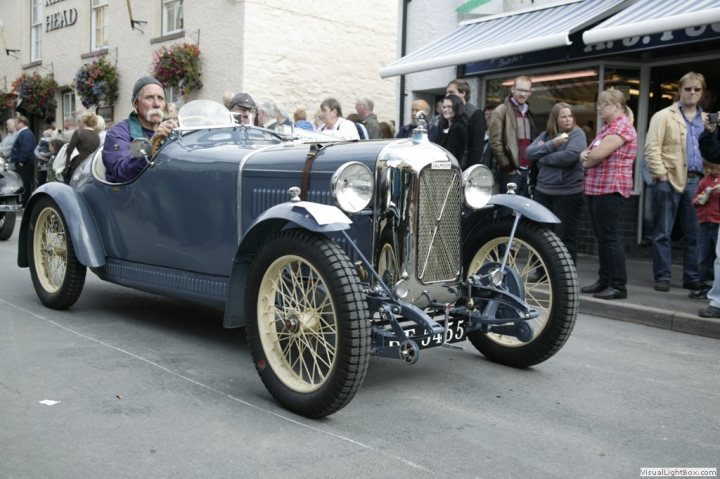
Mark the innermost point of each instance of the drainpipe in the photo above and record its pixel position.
(403, 48)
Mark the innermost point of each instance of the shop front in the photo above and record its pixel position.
(645, 66)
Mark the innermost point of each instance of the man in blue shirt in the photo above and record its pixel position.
(146, 121)
(676, 165)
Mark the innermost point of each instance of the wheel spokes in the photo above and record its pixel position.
(525, 260)
(299, 325)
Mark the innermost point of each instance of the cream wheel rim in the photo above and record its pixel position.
(50, 250)
(297, 324)
(524, 259)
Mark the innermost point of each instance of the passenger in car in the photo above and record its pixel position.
(245, 107)
(145, 121)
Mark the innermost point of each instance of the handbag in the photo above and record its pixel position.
(60, 163)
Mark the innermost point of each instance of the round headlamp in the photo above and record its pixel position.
(478, 186)
(352, 186)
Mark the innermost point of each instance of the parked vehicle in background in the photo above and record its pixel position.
(11, 189)
(327, 252)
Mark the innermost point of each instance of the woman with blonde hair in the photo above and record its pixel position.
(608, 163)
(85, 140)
(555, 156)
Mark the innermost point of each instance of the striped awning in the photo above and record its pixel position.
(654, 16)
(507, 34)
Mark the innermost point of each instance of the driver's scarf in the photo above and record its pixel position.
(138, 132)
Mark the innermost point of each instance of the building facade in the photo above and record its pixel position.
(282, 50)
(641, 47)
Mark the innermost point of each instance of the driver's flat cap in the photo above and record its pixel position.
(242, 100)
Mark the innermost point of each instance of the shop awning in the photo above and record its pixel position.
(507, 34)
(654, 16)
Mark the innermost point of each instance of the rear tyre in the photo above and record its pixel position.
(57, 275)
(550, 282)
(7, 225)
(308, 325)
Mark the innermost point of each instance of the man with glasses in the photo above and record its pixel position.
(510, 131)
(674, 161)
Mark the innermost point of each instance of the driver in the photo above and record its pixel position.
(145, 121)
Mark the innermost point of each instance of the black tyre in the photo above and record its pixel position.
(550, 280)
(7, 225)
(57, 275)
(307, 323)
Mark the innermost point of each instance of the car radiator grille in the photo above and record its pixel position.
(438, 241)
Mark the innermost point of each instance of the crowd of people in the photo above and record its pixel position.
(557, 166)
(561, 169)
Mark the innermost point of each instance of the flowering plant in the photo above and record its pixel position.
(97, 82)
(178, 66)
(37, 94)
(7, 105)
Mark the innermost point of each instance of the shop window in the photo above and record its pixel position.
(36, 25)
(626, 80)
(172, 16)
(578, 88)
(99, 24)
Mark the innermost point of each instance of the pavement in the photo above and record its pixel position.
(672, 310)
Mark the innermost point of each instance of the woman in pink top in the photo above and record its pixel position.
(608, 163)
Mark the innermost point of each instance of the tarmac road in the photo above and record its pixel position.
(150, 387)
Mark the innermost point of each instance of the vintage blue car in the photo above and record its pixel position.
(326, 252)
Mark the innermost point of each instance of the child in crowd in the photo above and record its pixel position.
(707, 206)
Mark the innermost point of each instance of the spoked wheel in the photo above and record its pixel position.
(7, 225)
(540, 259)
(57, 275)
(308, 325)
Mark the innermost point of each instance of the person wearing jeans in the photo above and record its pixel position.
(608, 163)
(674, 161)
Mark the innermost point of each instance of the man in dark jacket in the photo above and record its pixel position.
(710, 150)
(22, 155)
(477, 126)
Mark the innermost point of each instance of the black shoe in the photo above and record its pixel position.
(611, 293)
(663, 286)
(596, 287)
(694, 285)
(709, 312)
(698, 294)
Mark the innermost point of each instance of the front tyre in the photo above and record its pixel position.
(308, 325)
(57, 275)
(550, 281)
(7, 225)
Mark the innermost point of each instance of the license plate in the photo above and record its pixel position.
(456, 332)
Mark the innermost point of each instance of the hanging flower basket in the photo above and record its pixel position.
(7, 105)
(96, 83)
(37, 94)
(178, 67)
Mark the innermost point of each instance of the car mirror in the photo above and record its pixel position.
(140, 148)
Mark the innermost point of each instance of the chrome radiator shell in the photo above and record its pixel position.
(418, 206)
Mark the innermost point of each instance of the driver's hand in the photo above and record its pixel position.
(165, 128)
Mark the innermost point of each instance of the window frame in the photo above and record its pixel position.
(36, 26)
(178, 14)
(97, 6)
